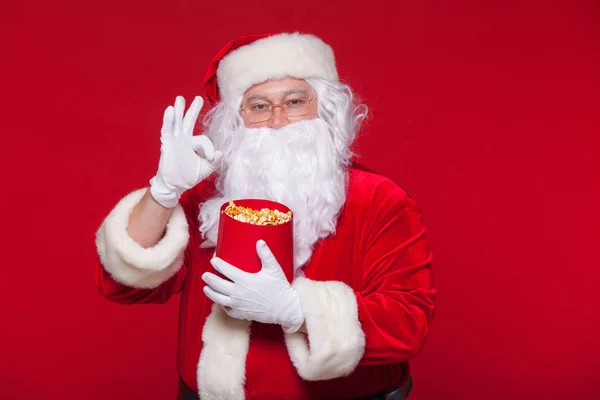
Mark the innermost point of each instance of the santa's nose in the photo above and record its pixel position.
(278, 119)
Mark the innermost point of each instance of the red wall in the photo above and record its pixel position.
(487, 112)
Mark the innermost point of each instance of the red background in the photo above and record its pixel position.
(487, 112)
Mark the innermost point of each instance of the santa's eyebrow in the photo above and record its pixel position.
(283, 94)
(256, 97)
(294, 91)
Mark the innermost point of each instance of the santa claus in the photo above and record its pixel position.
(362, 298)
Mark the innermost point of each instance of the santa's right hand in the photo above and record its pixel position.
(185, 160)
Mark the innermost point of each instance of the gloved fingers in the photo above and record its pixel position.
(229, 271)
(203, 168)
(218, 298)
(266, 256)
(208, 167)
(218, 284)
(234, 313)
(179, 107)
(167, 126)
(204, 147)
(189, 120)
(217, 159)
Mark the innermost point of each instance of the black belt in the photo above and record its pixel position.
(401, 393)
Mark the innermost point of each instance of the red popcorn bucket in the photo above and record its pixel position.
(236, 242)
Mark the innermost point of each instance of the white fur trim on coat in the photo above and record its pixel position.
(127, 261)
(275, 57)
(222, 366)
(337, 342)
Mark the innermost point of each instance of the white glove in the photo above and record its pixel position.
(265, 296)
(180, 167)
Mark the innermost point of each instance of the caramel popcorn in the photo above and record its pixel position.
(264, 216)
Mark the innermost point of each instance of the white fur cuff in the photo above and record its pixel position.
(337, 342)
(127, 261)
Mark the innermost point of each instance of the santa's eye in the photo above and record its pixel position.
(259, 107)
(297, 102)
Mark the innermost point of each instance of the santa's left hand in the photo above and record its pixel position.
(265, 296)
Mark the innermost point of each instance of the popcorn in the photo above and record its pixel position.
(263, 217)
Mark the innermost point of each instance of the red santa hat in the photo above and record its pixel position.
(252, 59)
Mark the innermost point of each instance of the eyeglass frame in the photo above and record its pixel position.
(280, 105)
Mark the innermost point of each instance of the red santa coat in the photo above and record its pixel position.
(368, 298)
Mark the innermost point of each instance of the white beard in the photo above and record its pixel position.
(297, 165)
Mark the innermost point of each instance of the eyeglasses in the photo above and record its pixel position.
(262, 111)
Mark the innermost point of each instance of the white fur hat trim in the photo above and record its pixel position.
(275, 57)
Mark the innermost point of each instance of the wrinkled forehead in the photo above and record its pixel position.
(278, 89)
